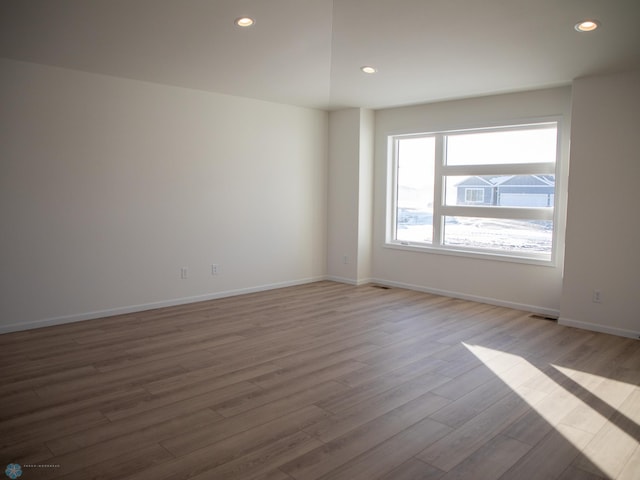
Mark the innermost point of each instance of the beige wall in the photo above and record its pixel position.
(109, 186)
(603, 227)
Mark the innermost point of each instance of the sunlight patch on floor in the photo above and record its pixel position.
(597, 400)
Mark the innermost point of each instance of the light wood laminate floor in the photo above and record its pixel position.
(321, 381)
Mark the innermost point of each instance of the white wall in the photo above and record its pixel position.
(603, 226)
(350, 195)
(108, 186)
(531, 287)
(342, 234)
(365, 194)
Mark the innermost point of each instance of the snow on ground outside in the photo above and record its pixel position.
(495, 234)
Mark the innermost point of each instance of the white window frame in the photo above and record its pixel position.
(468, 190)
(441, 210)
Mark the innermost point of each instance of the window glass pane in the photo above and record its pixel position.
(414, 215)
(534, 145)
(500, 190)
(506, 235)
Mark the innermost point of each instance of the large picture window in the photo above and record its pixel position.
(483, 191)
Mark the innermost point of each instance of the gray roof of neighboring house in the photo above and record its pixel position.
(510, 180)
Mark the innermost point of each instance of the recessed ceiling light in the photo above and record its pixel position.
(245, 21)
(368, 69)
(587, 26)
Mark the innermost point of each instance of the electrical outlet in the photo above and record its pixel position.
(184, 273)
(597, 296)
(345, 259)
(215, 269)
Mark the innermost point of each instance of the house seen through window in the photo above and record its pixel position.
(489, 191)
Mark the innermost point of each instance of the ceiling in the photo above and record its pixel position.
(309, 52)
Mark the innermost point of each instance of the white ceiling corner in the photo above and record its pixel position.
(309, 52)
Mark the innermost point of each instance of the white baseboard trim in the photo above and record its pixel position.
(595, 327)
(549, 312)
(348, 281)
(48, 322)
(15, 327)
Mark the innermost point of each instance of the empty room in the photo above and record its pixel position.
(320, 239)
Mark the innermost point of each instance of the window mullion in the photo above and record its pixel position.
(394, 192)
(525, 213)
(438, 191)
(547, 168)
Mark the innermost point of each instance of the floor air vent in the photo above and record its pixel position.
(543, 317)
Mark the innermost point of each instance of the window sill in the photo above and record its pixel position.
(479, 255)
